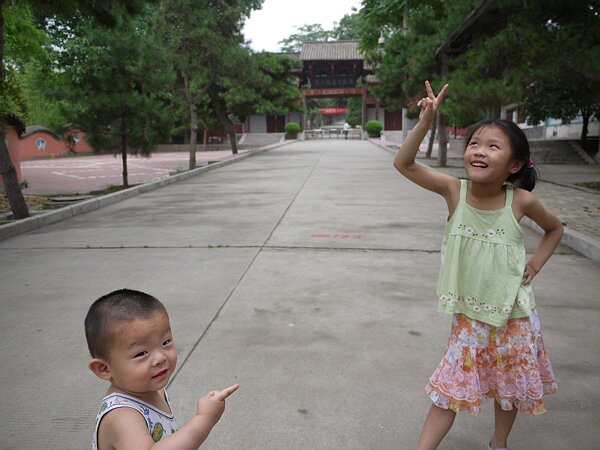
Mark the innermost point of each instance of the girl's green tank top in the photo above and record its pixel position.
(483, 258)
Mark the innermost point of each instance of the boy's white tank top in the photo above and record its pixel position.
(160, 424)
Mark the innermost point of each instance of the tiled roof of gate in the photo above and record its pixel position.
(335, 50)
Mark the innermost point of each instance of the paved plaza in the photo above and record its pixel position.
(306, 274)
(84, 174)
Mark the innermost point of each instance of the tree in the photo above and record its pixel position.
(19, 40)
(101, 10)
(566, 32)
(117, 79)
(278, 91)
(206, 35)
(348, 28)
(510, 51)
(306, 33)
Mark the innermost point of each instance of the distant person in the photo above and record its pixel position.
(345, 130)
(495, 348)
(70, 142)
(130, 340)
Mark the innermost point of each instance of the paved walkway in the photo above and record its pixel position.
(307, 274)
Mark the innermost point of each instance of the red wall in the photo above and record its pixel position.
(50, 145)
(13, 150)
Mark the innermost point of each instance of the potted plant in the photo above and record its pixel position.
(292, 129)
(374, 128)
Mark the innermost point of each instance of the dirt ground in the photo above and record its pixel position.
(33, 202)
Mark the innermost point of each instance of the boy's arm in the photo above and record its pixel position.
(553, 230)
(405, 160)
(126, 429)
(194, 433)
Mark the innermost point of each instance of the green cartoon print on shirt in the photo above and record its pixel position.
(157, 432)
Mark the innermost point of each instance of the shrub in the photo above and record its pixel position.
(353, 121)
(374, 128)
(292, 128)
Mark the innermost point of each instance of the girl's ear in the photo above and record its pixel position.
(100, 368)
(516, 166)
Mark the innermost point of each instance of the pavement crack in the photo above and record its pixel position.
(213, 320)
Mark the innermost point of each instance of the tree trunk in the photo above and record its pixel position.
(12, 189)
(226, 125)
(193, 134)
(431, 139)
(8, 173)
(233, 141)
(441, 119)
(442, 141)
(584, 129)
(192, 101)
(1, 43)
(124, 152)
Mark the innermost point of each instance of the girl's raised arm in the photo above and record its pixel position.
(405, 160)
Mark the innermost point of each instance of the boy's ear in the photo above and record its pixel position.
(100, 368)
(516, 166)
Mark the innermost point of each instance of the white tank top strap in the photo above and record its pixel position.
(463, 191)
(509, 195)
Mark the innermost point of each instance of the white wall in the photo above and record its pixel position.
(258, 124)
(372, 112)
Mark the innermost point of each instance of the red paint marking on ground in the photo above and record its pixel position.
(336, 236)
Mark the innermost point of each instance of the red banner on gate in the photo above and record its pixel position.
(333, 111)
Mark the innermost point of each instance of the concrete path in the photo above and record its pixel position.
(307, 274)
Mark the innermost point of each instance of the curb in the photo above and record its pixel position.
(581, 243)
(41, 220)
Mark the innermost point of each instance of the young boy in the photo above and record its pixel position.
(129, 337)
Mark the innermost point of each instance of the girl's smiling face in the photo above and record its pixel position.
(489, 156)
(143, 356)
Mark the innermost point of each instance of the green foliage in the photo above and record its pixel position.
(349, 27)
(306, 33)
(216, 72)
(116, 86)
(12, 97)
(355, 111)
(39, 89)
(23, 41)
(276, 84)
(292, 128)
(515, 52)
(373, 128)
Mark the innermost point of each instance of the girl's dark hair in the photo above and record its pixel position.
(526, 177)
(124, 305)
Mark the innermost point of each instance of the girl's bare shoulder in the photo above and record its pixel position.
(524, 199)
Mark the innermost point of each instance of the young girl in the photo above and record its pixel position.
(495, 348)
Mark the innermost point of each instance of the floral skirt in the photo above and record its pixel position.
(509, 364)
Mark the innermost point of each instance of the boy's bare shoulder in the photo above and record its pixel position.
(123, 427)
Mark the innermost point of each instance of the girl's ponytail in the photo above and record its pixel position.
(526, 177)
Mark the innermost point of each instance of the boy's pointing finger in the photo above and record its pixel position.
(222, 395)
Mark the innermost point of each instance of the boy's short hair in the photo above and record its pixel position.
(124, 305)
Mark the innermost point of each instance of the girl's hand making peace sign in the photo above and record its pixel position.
(430, 104)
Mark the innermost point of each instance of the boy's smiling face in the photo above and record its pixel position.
(142, 356)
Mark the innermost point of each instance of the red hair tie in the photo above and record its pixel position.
(530, 165)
